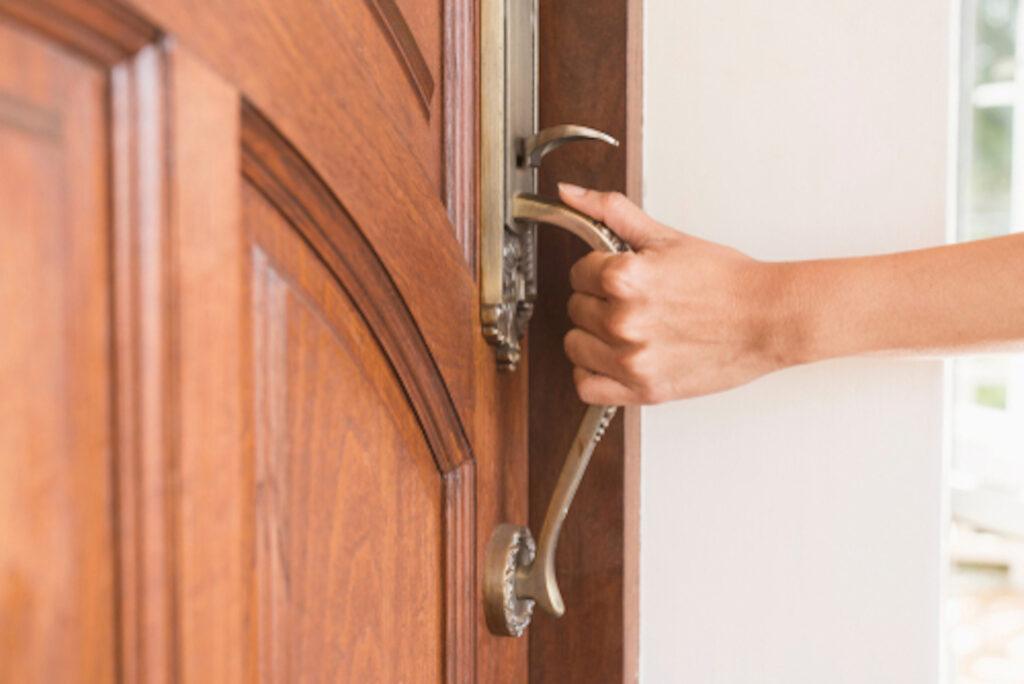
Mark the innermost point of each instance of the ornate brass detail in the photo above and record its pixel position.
(504, 323)
(510, 548)
(511, 149)
(515, 576)
(508, 112)
(518, 574)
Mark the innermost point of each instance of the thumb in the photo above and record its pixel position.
(614, 209)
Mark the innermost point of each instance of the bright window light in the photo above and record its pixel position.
(985, 597)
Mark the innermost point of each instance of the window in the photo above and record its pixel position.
(985, 595)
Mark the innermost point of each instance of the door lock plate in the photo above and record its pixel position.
(511, 150)
(508, 111)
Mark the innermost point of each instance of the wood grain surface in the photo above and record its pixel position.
(57, 555)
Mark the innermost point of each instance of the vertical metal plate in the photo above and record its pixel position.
(508, 94)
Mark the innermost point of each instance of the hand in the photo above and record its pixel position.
(679, 317)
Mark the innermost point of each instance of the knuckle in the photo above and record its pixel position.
(611, 281)
(633, 363)
(570, 307)
(622, 324)
(639, 369)
(575, 273)
(571, 344)
(649, 389)
(582, 381)
(649, 394)
(618, 209)
(620, 275)
(583, 271)
(567, 344)
(615, 203)
(574, 307)
(616, 325)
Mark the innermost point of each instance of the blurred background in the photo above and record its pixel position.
(985, 591)
(858, 520)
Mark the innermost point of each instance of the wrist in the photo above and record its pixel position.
(790, 301)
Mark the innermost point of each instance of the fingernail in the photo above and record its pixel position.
(571, 190)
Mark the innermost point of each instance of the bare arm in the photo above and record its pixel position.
(683, 317)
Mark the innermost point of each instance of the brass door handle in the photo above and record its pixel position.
(530, 208)
(533, 148)
(520, 573)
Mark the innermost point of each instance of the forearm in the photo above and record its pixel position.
(952, 298)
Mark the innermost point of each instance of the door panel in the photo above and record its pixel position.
(56, 529)
(348, 507)
(333, 79)
(352, 533)
(387, 52)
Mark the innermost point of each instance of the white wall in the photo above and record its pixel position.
(791, 529)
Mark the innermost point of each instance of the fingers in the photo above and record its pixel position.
(611, 276)
(589, 313)
(599, 389)
(590, 352)
(607, 307)
(613, 209)
(615, 325)
(627, 375)
(585, 274)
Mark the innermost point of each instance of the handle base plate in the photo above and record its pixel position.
(511, 547)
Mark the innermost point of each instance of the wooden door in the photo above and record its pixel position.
(249, 428)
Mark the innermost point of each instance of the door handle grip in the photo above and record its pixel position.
(536, 209)
(520, 573)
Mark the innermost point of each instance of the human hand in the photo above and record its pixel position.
(678, 317)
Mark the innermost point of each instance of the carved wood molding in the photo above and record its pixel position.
(460, 122)
(145, 369)
(460, 573)
(407, 50)
(102, 31)
(280, 173)
(112, 37)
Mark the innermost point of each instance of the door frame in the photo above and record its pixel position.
(591, 72)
